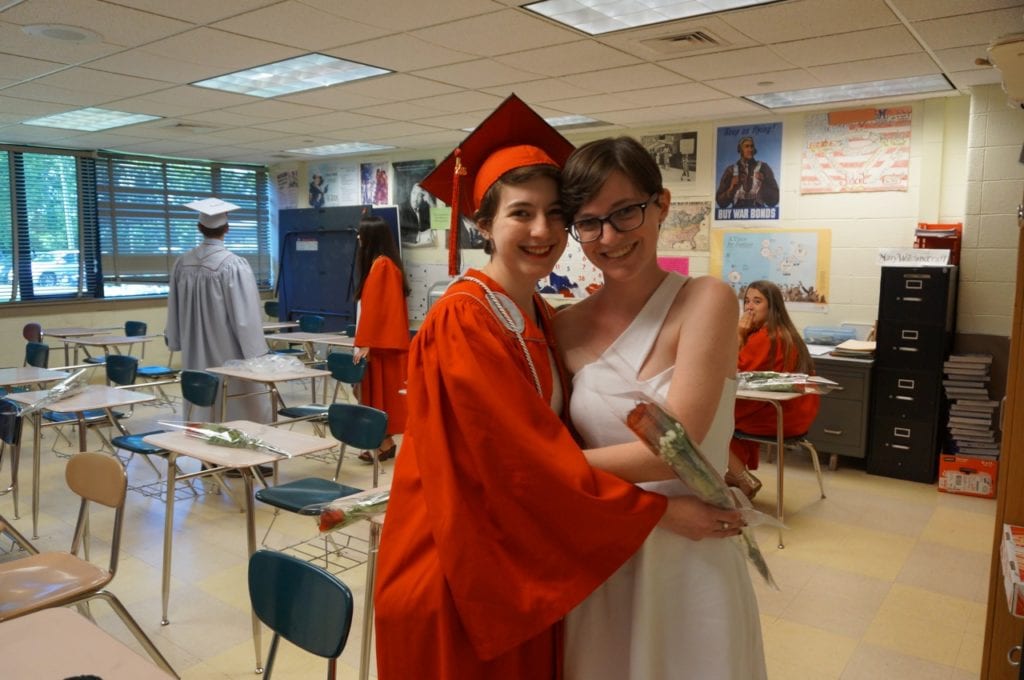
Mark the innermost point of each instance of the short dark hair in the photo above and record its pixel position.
(590, 165)
(489, 203)
(375, 239)
(214, 232)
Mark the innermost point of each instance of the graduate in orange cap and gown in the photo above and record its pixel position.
(496, 526)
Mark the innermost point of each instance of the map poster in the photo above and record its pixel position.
(686, 227)
(748, 159)
(856, 151)
(796, 260)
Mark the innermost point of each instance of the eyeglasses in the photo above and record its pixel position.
(624, 219)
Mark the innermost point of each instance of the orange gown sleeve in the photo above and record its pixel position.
(754, 417)
(383, 315)
(491, 494)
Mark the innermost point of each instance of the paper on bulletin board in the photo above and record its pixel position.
(798, 261)
(440, 217)
(672, 263)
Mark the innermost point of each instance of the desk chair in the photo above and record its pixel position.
(272, 309)
(794, 442)
(159, 373)
(360, 426)
(135, 328)
(32, 331)
(58, 579)
(345, 373)
(301, 603)
(308, 323)
(120, 371)
(37, 354)
(10, 439)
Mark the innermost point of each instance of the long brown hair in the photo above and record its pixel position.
(375, 240)
(781, 328)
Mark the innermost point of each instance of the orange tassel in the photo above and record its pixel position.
(454, 265)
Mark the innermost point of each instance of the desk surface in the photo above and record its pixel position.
(26, 375)
(300, 336)
(92, 397)
(60, 643)
(269, 377)
(73, 331)
(277, 325)
(295, 443)
(767, 395)
(103, 340)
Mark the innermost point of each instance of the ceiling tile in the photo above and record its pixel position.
(377, 133)
(903, 66)
(405, 16)
(27, 108)
(21, 68)
(980, 27)
(488, 35)
(395, 87)
(477, 74)
(272, 109)
(917, 10)
(339, 120)
(13, 41)
(542, 90)
(334, 97)
(400, 53)
(726, 64)
(56, 95)
(117, 25)
(199, 98)
(196, 11)
(461, 101)
(625, 78)
(399, 111)
(299, 25)
(714, 110)
(574, 57)
(801, 19)
(962, 58)
(857, 45)
(143, 64)
(776, 81)
(102, 82)
(227, 51)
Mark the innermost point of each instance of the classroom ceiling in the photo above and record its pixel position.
(453, 61)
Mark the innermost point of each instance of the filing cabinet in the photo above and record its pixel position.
(916, 313)
(841, 426)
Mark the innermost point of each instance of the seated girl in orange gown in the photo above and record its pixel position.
(768, 342)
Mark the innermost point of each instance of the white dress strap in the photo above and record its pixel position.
(636, 342)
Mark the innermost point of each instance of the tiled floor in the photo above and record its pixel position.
(883, 579)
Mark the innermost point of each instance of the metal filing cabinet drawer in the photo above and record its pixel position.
(904, 449)
(913, 345)
(918, 295)
(841, 426)
(906, 393)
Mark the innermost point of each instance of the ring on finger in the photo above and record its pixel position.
(725, 526)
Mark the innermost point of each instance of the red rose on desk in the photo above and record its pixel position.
(330, 518)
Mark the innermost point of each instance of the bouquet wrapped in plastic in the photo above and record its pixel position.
(772, 381)
(666, 438)
(344, 511)
(215, 433)
(267, 363)
(73, 384)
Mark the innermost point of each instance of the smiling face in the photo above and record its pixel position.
(527, 232)
(755, 302)
(617, 254)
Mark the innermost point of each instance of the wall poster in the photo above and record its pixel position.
(686, 227)
(856, 151)
(375, 186)
(414, 203)
(676, 155)
(797, 260)
(748, 159)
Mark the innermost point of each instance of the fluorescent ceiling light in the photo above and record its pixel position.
(90, 120)
(841, 93)
(345, 149)
(596, 18)
(292, 75)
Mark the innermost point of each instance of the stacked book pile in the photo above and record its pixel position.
(971, 410)
(855, 349)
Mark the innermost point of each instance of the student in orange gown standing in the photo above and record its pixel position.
(768, 342)
(497, 526)
(382, 328)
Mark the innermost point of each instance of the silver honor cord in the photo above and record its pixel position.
(510, 323)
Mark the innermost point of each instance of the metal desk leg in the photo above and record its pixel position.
(250, 537)
(371, 571)
(37, 446)
(780, 453)
(165, 583)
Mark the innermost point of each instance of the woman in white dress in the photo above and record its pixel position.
(682, 607)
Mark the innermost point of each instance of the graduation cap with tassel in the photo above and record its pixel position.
(513, 136)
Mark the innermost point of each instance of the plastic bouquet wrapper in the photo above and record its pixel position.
(772, 381)
(666, 438)
(215, 433)
(268, 363)
(344, 511)
(73, 384)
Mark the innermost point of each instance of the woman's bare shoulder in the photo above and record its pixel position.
(707, 292)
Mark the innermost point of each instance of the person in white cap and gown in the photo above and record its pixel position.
(213, 312)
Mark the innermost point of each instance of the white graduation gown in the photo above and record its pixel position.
(213, 315)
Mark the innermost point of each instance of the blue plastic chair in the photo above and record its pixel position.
(11, 423)
(344, 372)
(302, 603)
(272, 308)
(37, 354)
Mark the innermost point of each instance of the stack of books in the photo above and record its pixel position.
(855, 349)
(971, 411)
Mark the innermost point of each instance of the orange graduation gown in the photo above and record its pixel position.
(497, 526)
(758, 417)
(384, 328)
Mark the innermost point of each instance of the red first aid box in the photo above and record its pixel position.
(968, 475)
(1011, 558)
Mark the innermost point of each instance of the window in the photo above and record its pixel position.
(78, 224)
(144, 228)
